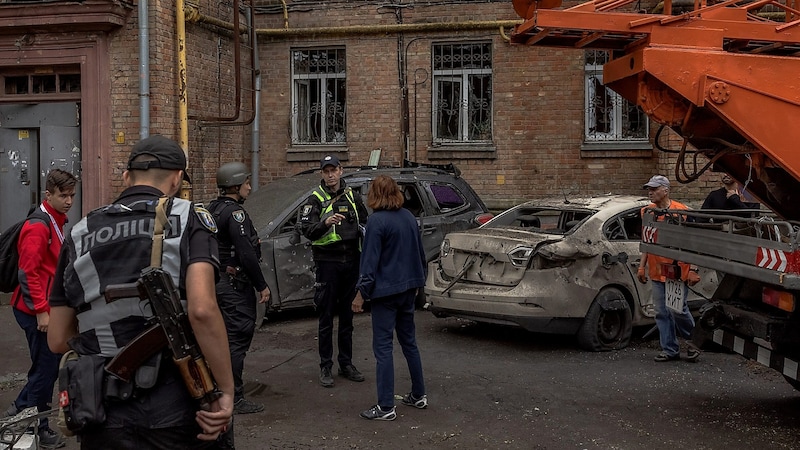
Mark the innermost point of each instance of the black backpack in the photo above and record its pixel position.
(9, 255)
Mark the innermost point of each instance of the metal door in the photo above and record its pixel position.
(18, 182)
(35, 138)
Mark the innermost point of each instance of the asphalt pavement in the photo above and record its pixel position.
(492, 387)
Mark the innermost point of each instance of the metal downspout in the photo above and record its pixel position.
(144, 70)
(183, 127)
(255, 164)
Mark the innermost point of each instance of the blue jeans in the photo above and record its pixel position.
(390, 314)
(670, 323)
(38, 391)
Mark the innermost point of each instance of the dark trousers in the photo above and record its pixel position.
(237, 301)
(142, 438)
(395, 313)
(336, 288)
(38, 391)
(162, 417)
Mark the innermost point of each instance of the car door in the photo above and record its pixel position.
(293, 263)
(624, 233)
(446, 209)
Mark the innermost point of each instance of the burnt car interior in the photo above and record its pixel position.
(547, 220)
(411, 200)
(625, 227)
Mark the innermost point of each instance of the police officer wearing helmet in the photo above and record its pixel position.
(331, 219)
(111, 245)
(239, 255)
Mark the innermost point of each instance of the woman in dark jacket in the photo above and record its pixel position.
(392, 269)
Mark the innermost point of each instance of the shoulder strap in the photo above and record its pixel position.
(347, 192)
(158, 232)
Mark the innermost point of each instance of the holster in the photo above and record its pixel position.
(237, 278)
(144, 378)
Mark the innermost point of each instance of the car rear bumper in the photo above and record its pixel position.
(504, 314)
(542, 302)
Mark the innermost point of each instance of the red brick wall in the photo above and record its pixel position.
(537, 94)
(209, 90)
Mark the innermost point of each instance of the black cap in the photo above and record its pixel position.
(167, 153)
(329, 160)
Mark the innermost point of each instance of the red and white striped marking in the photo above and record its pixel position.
(649, 235)
(772, 259)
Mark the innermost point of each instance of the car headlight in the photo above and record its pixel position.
(520, 256)
(444, 248)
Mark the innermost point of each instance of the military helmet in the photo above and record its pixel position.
(232, 174)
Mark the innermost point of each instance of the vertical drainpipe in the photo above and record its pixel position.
(183, 112)
(256, 129)
(144, 70)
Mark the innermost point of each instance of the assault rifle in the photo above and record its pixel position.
(171, 329)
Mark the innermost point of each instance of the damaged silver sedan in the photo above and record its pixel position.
(564, 266)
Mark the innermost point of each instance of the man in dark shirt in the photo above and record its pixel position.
(112, 245)
(332, 219)
(240, 272)
(728, 197)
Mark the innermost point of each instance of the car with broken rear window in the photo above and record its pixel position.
(438, 197)
(563, 266)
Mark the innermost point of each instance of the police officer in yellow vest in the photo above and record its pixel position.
(332, 219)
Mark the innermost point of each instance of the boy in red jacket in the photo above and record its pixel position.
(39, 245)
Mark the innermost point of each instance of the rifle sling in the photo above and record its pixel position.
(158, 232)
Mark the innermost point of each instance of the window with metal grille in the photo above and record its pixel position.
(462, 92)
(609, 117)
(319, 96)
(40, 82)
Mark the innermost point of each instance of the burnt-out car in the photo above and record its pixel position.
(563, 266)
(441, 200)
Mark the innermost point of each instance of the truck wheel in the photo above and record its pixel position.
(608, 324)
(795, 383)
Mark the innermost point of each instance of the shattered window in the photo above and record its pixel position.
(447, 197)
(609, 117)
(625, 227)
(319, 96)
(462, 92)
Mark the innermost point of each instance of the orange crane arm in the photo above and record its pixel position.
(722, 77)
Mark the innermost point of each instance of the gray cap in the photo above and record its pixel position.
(657, 181)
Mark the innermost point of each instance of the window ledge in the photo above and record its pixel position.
(617, 149)
(462, 150)
(315, 152)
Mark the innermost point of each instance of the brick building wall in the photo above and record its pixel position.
(538, 104)
(538, 100)
(210, 91)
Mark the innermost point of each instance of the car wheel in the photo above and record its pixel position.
(608, 324)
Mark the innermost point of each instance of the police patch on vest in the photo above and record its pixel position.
(306, 210)
(238, 215)
(206, 218)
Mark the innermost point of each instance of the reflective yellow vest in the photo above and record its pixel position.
(332, 236)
